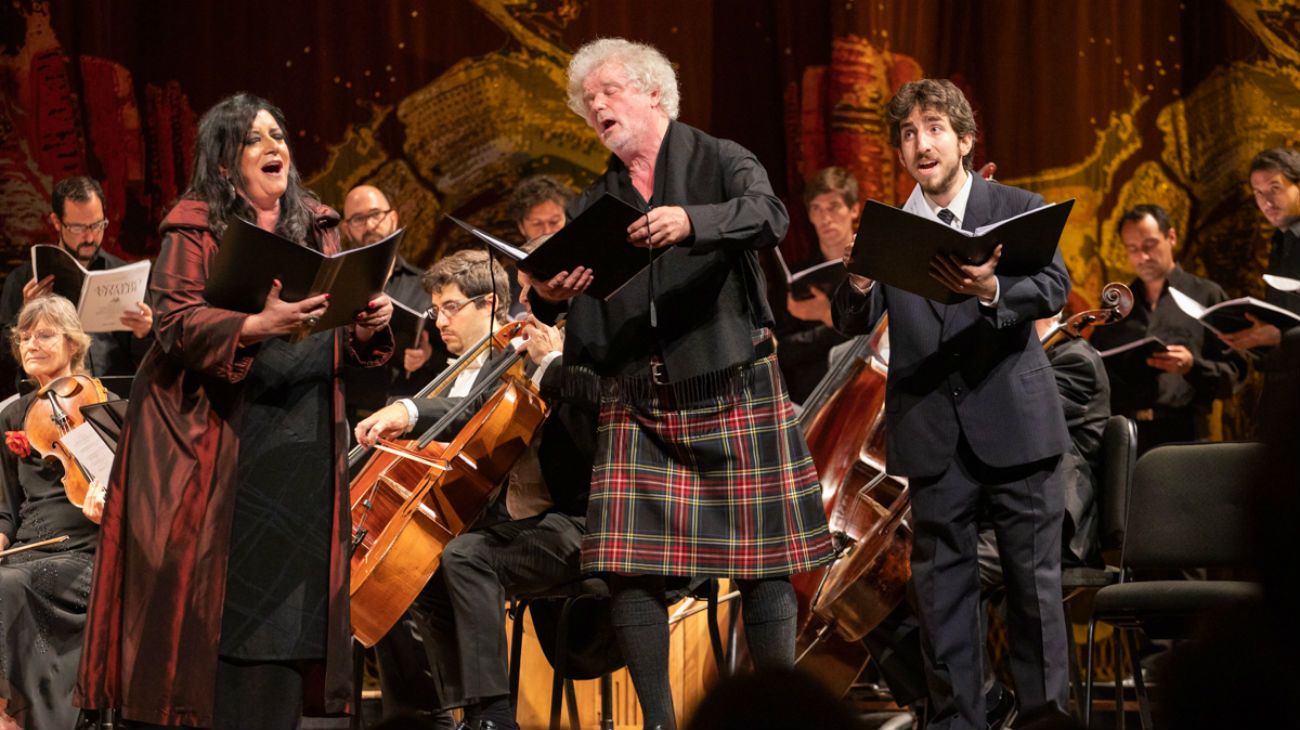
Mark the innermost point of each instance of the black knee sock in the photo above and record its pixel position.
(769, 610)
(640, 617)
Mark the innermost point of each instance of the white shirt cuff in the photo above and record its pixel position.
(541, 369)
(412, 415)
(997, 294)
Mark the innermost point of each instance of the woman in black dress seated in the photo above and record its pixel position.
(43, 591)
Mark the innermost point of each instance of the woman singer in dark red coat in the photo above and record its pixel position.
(220, 588)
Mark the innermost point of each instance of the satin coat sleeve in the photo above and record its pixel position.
(206, 338)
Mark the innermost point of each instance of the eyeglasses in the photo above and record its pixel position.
(450, 308)
(42, 337)
(361, 220)
(78, 229)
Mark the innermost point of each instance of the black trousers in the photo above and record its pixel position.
(1025, 507)
(463, 603)
(895, 644)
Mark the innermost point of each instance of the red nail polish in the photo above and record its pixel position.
(327, 297)
(372, 305)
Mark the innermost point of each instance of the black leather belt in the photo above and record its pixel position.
(659, 371)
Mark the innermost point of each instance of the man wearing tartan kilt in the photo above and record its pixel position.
(701, 469)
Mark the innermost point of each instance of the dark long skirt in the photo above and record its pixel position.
(43, 598)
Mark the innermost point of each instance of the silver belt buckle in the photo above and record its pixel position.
(658, 372)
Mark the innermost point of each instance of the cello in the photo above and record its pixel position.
(413, 496)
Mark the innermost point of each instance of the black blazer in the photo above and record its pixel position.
(964, 368)
(1085, 400)
(708, 289)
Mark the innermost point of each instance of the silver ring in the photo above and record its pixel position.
(311, 321)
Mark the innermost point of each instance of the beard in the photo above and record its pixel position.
(942, 185)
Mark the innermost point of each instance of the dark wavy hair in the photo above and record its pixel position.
(217, 150)
(939, 95)
(532, 192)
(475, 274)
(1283, 160)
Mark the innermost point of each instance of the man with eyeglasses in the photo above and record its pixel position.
(529, 539)
(368, 216)
(78, 219)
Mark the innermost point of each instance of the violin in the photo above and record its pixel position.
(54, 412)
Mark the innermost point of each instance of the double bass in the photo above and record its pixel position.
(413, 496)
(868, 508)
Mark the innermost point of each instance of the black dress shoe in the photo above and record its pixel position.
(999, 714)
(493, 725)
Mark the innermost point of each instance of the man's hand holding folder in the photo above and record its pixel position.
(934, 260)
(965, 278)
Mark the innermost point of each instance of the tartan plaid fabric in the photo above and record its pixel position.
(719, 485)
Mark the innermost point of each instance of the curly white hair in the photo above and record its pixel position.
(646, 67)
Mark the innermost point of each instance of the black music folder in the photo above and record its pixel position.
(825, 276)
(596, 239)
(250, 258)
(106, 419)
(1230, 316)
(1136, 350)
(896, 247)
(407, 324)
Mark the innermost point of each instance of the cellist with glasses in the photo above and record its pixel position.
(529, 539)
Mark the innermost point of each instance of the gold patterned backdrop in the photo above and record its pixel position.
(449, 103)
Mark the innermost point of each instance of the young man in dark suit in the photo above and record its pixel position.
(967, 421)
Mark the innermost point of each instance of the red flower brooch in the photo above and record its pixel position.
(18, 443)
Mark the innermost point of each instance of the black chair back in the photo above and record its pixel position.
(1189, 506)
(1115, 482)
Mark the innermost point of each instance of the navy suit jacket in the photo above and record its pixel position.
(965, 368)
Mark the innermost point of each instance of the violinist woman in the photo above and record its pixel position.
(220, 595)
(43, 591)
